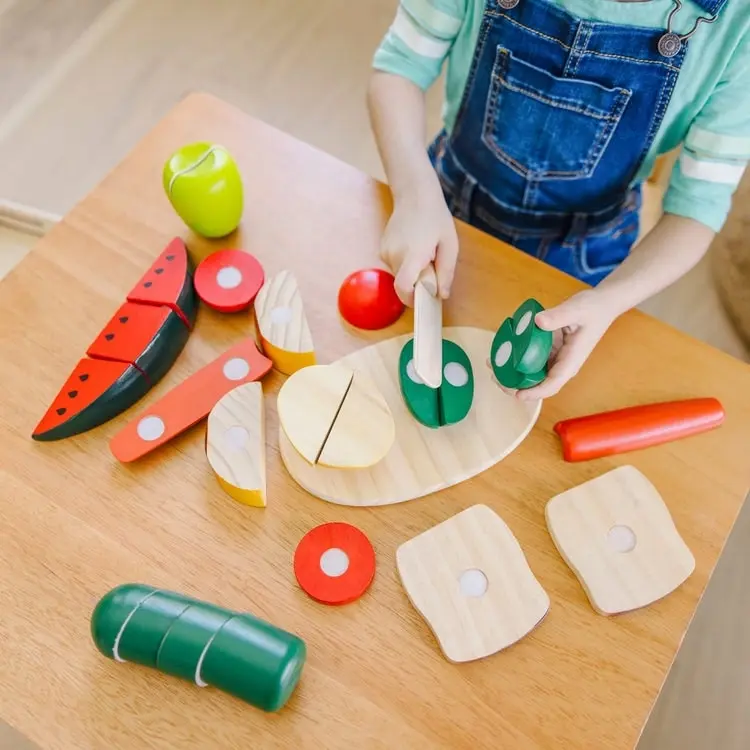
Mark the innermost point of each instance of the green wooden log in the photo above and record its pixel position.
(198, 641)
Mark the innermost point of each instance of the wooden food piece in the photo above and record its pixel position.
(636, 427)
(239, 654)
(229, 280)
(236, 444)
(282, 324)
(96, 391)
(190, 401)
(368, 300)
(169, 282)
(470, 580)
(448, 403)
(420, 399)
(335, 418)
(520, 349)
(428, 329)
(456, 392)
(421, 460)
(334, 563)
(617, 535)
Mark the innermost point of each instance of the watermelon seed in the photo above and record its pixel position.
(72, 394)
(109, 336)
(124, 319)
(61, 411)
(83, 378)
(159, 270)
(170, 257)
(148, 284)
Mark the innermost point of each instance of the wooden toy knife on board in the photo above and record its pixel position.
(428, 329)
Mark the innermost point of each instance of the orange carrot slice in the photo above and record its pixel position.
(636, 427)
(190, 401)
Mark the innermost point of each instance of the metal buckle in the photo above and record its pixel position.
(670, 43)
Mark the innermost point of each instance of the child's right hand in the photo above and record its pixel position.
(421, 231)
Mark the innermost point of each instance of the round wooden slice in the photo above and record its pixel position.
(228, 280)
(334, 563)
(368, 299)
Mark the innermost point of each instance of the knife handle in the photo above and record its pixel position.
(428, 329)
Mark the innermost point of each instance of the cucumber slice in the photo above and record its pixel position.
(456, 393)
(421, 400)
(532, 344)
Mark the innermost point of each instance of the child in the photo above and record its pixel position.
(555, 112)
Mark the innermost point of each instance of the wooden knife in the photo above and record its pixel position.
(428, 329)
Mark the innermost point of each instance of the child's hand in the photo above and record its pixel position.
(578, 324)
(421, 230)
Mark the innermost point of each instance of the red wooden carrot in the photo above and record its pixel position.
(636, 427)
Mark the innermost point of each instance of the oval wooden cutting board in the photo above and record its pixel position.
(422, 460)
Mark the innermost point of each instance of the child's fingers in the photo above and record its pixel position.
(445, 264)
(407, 276)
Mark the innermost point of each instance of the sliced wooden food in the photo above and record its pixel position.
(335, 417)
(282, 324)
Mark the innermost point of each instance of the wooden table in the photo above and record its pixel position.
(76, 523)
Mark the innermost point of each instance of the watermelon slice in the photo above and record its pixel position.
(96, 391)
(169, 282)
(145, 336)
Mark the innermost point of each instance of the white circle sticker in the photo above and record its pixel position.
(456, 374)
(473, 583)
(236, 437)
(236, 369)
(502, 355)
(411, 372)
(334, 562)
(523, 324)
(151, 428)
(622, 539)
(229, 277)
(280, 316)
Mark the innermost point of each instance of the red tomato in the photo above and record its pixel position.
(368, 300)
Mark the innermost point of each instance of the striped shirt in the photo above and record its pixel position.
(709, 112)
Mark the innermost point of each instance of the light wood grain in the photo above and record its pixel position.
(444, 571)
(617, 535)
(363, 431)
(428, 324)
(77, 523)
(236, 444)
(422, 460)
(282, 323)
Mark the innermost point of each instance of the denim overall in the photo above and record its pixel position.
(556, 119)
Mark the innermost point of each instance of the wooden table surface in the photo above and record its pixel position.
(76, 523)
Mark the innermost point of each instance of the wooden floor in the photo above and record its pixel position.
(83, 80)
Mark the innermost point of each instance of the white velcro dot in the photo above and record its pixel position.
(502, 355)
(621, 539)
(280, 316)
(523, 324)
(236, 437)
(334, 562)
(236, 369)
(456, 374)
(412, 373)
(473, 583)
(151, 428)
(229, 277)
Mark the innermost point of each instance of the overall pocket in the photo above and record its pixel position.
(545, 127)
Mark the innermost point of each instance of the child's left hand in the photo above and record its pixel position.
(578, 324)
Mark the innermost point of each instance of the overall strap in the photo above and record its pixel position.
(712, 7)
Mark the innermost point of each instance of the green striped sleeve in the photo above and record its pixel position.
(716, 150)
(420, 38)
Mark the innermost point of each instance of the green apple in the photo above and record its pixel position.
(204, 186)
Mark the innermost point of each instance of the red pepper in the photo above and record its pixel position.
(636, 427)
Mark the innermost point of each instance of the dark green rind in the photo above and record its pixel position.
(120, 396)
(162, 351)
(531, 380)
(420, 399)
(248, 646)
(532, 347)
(141, 638)
(187, 638)
(507, 375)
(188, 300)
(455, 402)
(242, 655)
